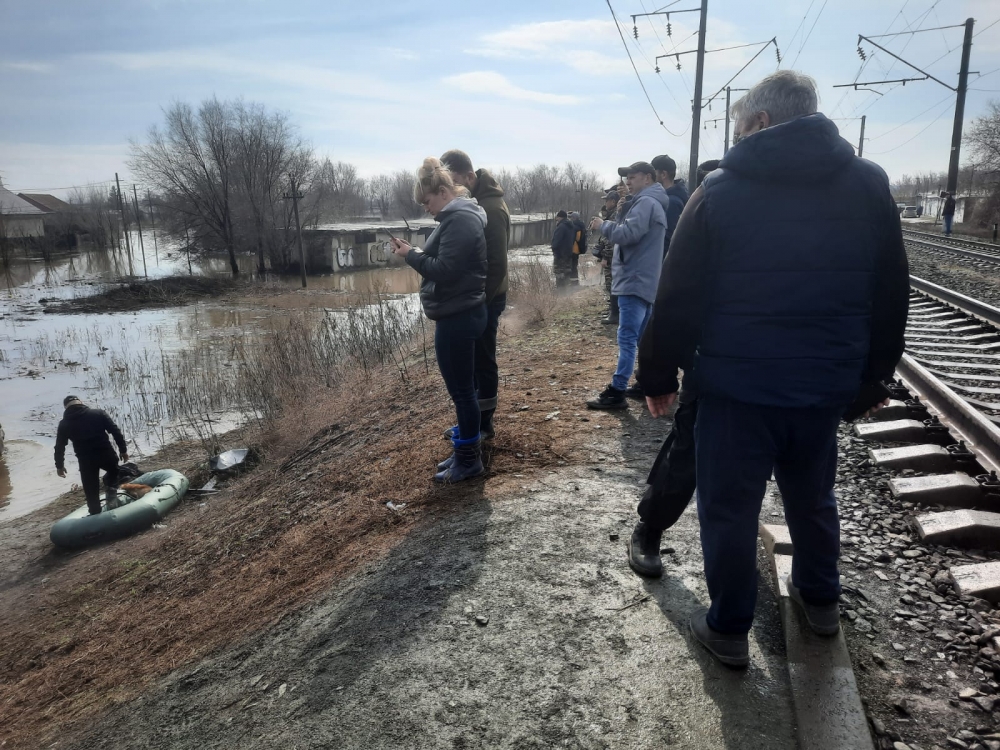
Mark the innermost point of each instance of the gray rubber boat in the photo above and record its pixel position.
(80, 529)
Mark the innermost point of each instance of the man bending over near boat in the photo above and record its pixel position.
(88, 430)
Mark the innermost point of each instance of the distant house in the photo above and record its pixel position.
(18, 217)
(46, 203)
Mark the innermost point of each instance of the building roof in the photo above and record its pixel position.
(11, 205)
(47, 203)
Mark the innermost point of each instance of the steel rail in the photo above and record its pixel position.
(974, 254)
(943, 240)
(980, 434)
(973, 307)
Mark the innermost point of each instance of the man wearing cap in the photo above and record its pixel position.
(562, 248)
(88, 430)
(638, 238)
(604, 250)
(666, 171)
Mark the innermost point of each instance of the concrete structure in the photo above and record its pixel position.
(18, 218)
(343, 247)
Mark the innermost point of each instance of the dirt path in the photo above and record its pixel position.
(496, 614)
(395, 657)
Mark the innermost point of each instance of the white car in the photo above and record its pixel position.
(910, 212)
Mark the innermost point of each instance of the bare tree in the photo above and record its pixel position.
(380, 193)
(402, 193)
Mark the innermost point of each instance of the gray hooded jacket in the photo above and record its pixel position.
(453, 262)
(638, 236)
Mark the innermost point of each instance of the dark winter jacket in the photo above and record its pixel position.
(678, 194)
(489, 195)
(453, 262)
(562, 240)
(88, 430)
(949, 207)
(786, 283)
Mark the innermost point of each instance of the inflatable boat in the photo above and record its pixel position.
(80, 529)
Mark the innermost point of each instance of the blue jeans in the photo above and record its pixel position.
(455, 345)
(737, 446)
(633, 314)
(947, 223)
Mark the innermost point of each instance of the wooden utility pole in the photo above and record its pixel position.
(861, 141)
(138, 221)
(121, 210)
(699, 77)
(152, 221)
(294, 198)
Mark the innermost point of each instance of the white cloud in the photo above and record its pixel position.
(491, 83)
(28, 67)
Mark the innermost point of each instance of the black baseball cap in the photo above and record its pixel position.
(561, 214)
(639, 166)
(612, 195)
(664, 163)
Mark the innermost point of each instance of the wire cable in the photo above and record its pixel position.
(987, 27)
(638, 77)
(915, 117)
(806, 40)
(894, 148)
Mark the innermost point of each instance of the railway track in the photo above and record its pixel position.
(943, 427)
(981, 254)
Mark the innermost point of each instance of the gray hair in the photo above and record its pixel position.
(784, 95)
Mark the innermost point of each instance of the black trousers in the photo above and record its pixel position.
(672, 480)
(90, 477)
(487, 372)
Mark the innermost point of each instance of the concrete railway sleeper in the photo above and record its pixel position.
(946, 406)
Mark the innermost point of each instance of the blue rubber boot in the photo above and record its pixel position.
(466, 463)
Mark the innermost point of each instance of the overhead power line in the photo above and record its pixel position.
(924, 130)
(806, 40)
(638, 77)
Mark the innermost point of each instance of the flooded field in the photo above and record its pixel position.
(169, 372)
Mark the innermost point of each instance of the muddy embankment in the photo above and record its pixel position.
(296, 609)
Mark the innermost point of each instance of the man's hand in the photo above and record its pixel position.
(875, 408)
(61, 472)
(659, 406)
(124, 456)
(595, 224)
(604, 262)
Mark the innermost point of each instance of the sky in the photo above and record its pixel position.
(519, 82)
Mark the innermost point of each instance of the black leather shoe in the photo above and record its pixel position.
(610, 320)
(610, 398)
(644, 551)
(635, 391)
(731, 649)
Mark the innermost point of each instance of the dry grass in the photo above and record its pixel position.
(123, 615)
(532, 287)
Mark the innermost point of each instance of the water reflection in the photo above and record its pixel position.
(116, 360)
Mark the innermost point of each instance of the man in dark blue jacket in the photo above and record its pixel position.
(562, 248)
(779, 323)
(677, 192)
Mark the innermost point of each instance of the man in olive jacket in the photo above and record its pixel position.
(489, 194)
(88, 430)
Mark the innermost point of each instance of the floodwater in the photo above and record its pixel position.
(117, 361)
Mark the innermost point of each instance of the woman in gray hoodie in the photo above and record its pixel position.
(453, 294)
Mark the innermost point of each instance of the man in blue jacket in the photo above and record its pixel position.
(562, 249)
(780, 325)
(638, 236)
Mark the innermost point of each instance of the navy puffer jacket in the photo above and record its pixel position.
(796, 227)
